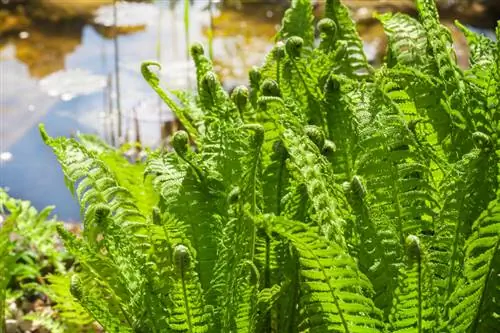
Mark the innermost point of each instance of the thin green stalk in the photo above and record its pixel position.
(419, 292)
(158, 56)
(117, 68)
(186, 301)
(491, 271)
(3, 329)
(210, 31)
(186, 26)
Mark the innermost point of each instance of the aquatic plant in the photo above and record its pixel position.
(328, 196)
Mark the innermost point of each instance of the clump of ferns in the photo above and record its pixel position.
(328, 196)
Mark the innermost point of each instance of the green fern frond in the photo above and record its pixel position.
(305, 163)
(474, 304)
(46, 321)
(67, 308)
(188, 116)
(413, 308)
(298, 22)
(275, 179)
(94, 143)
(482, 49)
(355, 62)
(467, 190)
(96, 263)
(342, 125)
(407, 40)
(130, 176)
(187, 312)
(374, 241)
(7, 264)
(187, 198)
(335, 292)
(98, 304)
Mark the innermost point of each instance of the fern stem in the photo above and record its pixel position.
(292, 305)
(278, 70)
(2, 308)
(186, 26)
(332, 292)
(491, 271)
(186, 301)
(321, 116)
(453, 256)
(419, 277)
(395, 199)
(254, 200)
(279, 186)
(129, 322)
(267, 281)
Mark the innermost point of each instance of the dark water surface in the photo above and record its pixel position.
(64, 76)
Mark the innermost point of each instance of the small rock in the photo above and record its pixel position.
(12, 305)
(10, 326)
(25, 325)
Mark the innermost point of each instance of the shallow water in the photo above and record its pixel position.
(64, 77)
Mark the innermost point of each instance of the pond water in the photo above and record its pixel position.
(65, 77)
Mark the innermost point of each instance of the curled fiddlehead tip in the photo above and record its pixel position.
(258, 130)
(327, 26)
(240, 96)
(156, 216)
(75, 287)
(412, 124)
(255, 76)
(102, 211)
(270, 88)
(279, 50)
(328, 148)
(180, 142)
(197, 50)
(346, 186)
(293, 46)
(146, 70)
(279, 148)
(332, 85)
(182, 257)
(341, 51)
(316, 135)
(482, 140)
(234, 195)
(43, 133)
(412, 244)
(357, 187)
(210, 82)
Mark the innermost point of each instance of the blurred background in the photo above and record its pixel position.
(75, 66)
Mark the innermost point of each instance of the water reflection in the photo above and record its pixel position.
(65, 76)
(45, 48)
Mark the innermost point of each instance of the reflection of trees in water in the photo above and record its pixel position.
(240, 37)
(47, 46)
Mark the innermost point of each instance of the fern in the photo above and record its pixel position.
(334, 290)
(328, 196)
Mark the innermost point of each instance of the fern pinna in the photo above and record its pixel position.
(328, 196)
